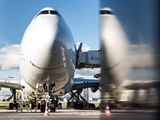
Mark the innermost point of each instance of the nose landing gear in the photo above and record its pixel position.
(49, 99)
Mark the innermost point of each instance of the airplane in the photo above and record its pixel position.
(120, 58)
(48, 59)
(114, 45)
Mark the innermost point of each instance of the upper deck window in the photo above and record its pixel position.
(102, 12)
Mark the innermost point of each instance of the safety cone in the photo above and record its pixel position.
(46, 111)
(107, 111)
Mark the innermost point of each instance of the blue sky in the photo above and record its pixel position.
(82, 18)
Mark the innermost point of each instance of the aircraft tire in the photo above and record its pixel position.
(53, 109)
(42, 106)
(60, 106)
(11, 106)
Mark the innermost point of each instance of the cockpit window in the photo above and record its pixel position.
(102, 12)
(52, 12)
(43, 12)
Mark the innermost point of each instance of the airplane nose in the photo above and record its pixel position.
(47, 31)
(46, 42)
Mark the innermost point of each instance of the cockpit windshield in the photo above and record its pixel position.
(52, 12)
(105, 12)
(43, 12)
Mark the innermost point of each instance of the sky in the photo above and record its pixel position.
(81, 17)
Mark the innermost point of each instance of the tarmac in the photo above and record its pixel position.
(72, 114)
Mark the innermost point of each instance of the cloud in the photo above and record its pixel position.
(9, 57)
(85, 47)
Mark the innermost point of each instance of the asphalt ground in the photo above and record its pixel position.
(72, 114)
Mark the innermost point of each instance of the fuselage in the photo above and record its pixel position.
(114, 48)
(47, 53)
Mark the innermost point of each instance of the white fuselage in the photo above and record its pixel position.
(114, 48)
(47, 53)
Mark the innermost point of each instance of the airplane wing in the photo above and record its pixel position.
(80, 83)
(13, 83)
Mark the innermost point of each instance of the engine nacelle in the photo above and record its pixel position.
(94, 89)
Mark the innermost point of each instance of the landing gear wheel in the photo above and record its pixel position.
(11, 106)
(53, 109)
(42, 106)
(78, 106)
(32, 105)
(59, 105)
(53, 106)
